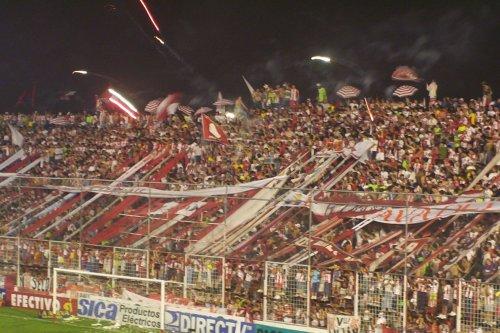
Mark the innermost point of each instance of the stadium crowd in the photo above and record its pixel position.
(420, 149)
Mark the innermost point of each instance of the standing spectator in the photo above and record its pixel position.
(321, 94)
(294, 97)
(287, 95)
(487, 94)
(257, 99)
(432, 89)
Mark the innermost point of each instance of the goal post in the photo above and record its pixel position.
(125, 300)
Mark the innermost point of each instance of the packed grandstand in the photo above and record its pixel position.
(309, 209)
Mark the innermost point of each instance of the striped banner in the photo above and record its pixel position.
(62, 120)
(405, 91)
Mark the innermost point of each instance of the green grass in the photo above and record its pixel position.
(16, 320)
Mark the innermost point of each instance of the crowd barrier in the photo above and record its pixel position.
(301, 296)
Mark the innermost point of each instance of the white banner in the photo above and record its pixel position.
(426, 213)
(155, 193)
(23, 170)
(17, 137)
(400, 215)
(17, 155)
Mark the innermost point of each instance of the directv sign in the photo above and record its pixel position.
(184, 322)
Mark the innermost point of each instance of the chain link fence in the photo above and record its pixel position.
(274, 291)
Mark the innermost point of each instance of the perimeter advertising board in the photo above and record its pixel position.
(139, 312)
(148, 316)
(39, 301)
(120, 311)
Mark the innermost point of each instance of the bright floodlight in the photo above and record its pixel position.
(321, 58)
(121, 106)
(80, 72)
(123, 99)
(160, 40)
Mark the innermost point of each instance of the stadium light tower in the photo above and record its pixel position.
(349, 64)
(322, 58)
(88, 73)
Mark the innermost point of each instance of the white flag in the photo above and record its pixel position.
(249, 86)
(17, 138)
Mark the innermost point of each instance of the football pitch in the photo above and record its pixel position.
(15, 320)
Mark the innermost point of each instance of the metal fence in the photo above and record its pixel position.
(294, 251)
(297, 294)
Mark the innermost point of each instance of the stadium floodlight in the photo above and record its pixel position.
(123, 99)
(123, 107)
(162, 42)
(322, 58)
(89, 73)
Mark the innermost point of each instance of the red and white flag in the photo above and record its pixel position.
(187, 110)
(168, 106)
(202, 110)
(212, 132)
(61, 120)
(405, 73)
(152, 106)
(405, 91)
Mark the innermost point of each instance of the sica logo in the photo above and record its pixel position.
(97, 309)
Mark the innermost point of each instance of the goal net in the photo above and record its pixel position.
(122, 300)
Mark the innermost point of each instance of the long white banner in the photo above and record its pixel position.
(17, 155)
(155, 193)
(412, 215)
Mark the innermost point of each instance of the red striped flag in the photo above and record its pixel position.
(348, 92)
(168, 106)
(186, 110)
(404, 73)
(405, 91)
(61, 120)
(152, 106)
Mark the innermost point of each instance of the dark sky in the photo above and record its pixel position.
(268, 41)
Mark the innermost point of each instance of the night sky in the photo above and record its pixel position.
(455, 43)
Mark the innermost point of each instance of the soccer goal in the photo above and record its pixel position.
(124, 300)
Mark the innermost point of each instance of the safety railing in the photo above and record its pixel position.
(296, 294)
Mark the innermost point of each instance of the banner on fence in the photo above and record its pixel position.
(411, 215)
(343, 324)
(120, 311)
(2, 294)
(40, 301)
(155, 193)
(145, 312)
(183, 321)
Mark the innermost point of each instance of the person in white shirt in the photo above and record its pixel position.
(432, 89)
